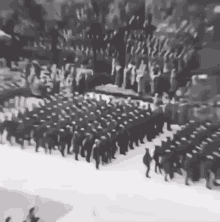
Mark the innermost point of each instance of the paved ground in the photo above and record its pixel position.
(118, 192)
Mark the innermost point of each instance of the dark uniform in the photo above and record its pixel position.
(147, 161)
(76, 144)
(96, 152)
(88, 144)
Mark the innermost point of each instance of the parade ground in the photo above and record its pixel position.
(65, 190)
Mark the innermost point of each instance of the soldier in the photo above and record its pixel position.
(122, 140)
(88, 144)
(133, 132)
(147, 161)
(108, 144)
(24, 131)
(82, 138)
(130, 136)
(65, 140)
(96, 152)
(114, 136)
(103, 150)
(158, 152)
(11, 127)
(76, 143)
(191, 163)
(52, 137)
(212, 166)
(167, 164)
(38, 135)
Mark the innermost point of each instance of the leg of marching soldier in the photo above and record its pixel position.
(82, 151)
(69, 143)
(76, 151)
(96, 157)
(114, 150)
(89, 152)
(62, 148)
(50, 145)
(37, 145)
(97, 161)
(148, 170)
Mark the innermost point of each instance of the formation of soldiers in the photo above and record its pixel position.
(81, 125)
(194, 149)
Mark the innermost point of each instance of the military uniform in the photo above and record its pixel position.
(147, 161)
(96, 152)
(76, 144)
(88, 144)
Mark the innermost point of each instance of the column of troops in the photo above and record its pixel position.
(195, 149)
(96, 128)
(85, 126)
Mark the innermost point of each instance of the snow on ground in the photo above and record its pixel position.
(117, 192)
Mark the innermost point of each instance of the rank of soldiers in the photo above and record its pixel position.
(81, 125)
(194, 149)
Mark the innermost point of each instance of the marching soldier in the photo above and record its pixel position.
(65, 139)
(191, 163)
(38, 135)
(88, 145)
(52, 137)
(122, 140)
(96, 152)
(167, 164)
(114, 137)
(76, 143)
(147, 161)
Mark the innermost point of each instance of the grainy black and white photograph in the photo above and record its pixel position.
(109, 110)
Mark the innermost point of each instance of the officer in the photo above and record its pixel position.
(147, 161)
